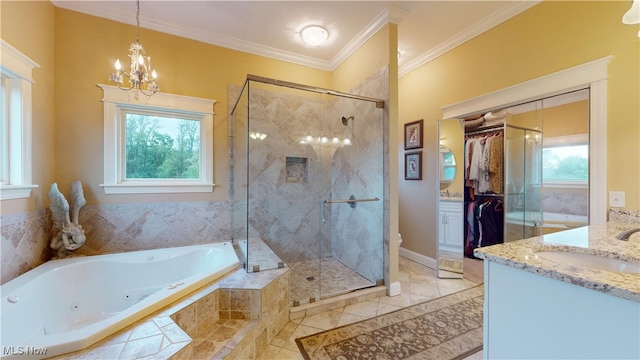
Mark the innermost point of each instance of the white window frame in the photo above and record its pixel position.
(567, 140)
(16, 69)
(116, 103)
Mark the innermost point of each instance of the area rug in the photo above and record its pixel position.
(448, 327)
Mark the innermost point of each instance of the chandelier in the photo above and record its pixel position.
(141, 77)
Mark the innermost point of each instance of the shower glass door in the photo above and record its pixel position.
(307, 178)
(352, 221)
(523, 171)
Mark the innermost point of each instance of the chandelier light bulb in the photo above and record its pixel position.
(139, 79)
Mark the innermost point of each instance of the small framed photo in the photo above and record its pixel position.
(413, 165)
(413, 135)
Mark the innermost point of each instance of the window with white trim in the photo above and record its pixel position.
(15, 123)
(161, 144)
(566, 161)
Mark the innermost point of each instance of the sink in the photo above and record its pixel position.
(590, 261)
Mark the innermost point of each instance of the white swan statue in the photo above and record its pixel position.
(70, 235)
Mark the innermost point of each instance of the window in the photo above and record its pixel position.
(163, 144)
(565, 161)
(15, 123)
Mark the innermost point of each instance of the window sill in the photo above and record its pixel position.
(566, 184)
(159, 188)
(8, 192)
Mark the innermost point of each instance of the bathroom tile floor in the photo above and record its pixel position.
(418, 283)
(336, 279)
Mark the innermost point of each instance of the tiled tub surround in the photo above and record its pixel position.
(594, 239)
(113, 228)
(235, 318)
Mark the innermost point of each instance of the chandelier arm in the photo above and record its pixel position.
(141, 76)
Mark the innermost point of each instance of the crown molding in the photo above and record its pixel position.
(390, 14)
(467, 34)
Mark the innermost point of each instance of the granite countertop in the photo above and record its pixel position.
(594, 239)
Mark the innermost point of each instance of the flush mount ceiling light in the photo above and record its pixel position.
(142, 77)
(314, 35)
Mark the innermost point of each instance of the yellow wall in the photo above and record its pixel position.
(366, 60)
(549, 37)
(28, 26)
(568, 119)
(88, 45)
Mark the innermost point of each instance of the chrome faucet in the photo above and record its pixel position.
(625, 234)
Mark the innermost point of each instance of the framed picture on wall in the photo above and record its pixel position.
(413, 165)
(413, 135)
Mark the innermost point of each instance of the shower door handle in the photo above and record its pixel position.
(351, 201)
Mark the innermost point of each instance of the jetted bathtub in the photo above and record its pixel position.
(66, 305)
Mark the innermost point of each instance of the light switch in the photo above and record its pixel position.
(616, 198)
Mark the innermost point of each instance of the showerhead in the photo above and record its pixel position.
(345, 120)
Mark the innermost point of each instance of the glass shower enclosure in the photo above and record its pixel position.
(307, 186)
(523, 171)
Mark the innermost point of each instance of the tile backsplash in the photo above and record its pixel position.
(113, 228)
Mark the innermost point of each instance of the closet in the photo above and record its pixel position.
(498, 191)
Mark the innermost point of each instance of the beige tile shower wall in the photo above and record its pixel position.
(285, 214)
(358, 170)
(114, 228)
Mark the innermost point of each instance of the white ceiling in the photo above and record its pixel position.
(426, 29)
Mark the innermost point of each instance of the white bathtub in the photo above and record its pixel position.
(67, 305)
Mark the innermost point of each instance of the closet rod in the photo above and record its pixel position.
(524, 128)
(476, 132)
(489, 195)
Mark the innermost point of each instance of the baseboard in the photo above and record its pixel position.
(394, 289)
(419, 258)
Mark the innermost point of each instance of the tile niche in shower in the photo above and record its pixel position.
(297, 169)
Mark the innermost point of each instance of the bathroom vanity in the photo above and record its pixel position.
(572, 294)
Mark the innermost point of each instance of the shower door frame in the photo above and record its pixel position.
(379, 104)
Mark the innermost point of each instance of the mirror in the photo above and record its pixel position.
(447, 167)
(450, 224)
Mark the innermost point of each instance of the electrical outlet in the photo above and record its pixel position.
(616, 198)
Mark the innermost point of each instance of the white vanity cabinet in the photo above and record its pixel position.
(528, 316)
(451, 226)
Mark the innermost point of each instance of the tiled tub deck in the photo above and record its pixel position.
(233, 318)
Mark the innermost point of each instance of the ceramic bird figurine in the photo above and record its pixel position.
(70, 234)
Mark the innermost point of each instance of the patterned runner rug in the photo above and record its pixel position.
(449, 327)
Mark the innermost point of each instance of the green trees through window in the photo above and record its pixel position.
(566, 163)
(162, 147)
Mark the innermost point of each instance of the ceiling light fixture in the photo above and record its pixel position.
(314, 35)
(632, 16)
(142, 78)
